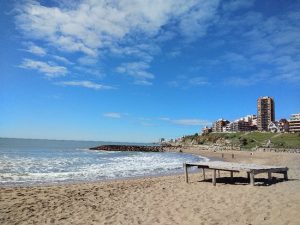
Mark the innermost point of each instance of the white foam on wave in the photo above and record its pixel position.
(86, 165)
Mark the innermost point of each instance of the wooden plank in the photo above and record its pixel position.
(238, 167)
(272, 170)
(214, 180)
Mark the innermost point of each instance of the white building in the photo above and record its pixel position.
(273, 127)
(294, 123)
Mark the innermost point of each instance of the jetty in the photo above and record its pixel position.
(130, 148)
(250, 169)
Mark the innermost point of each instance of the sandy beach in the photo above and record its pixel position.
(163, 200)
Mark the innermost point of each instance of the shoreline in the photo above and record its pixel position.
(164, 200)
(174, 172)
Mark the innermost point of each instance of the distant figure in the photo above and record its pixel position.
(268, 143)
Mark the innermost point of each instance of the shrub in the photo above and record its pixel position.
(243, 141)
(201, 142)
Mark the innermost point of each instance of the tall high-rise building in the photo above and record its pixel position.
(265, 112)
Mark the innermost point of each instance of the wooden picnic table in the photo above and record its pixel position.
(251, 169)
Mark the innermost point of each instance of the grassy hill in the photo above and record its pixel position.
(247, 140)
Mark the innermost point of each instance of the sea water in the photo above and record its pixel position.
(29, 161)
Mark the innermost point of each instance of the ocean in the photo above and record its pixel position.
(31, 162)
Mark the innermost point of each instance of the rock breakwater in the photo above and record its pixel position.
(133, 148)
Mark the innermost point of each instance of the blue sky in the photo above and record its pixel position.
(141, 70)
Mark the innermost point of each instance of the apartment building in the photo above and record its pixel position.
(294, 123)
(241, 125)
(219, 125)
(265, 112)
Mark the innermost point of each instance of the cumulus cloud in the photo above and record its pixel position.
(92, 25)
(123, 28)
(85, 84)
(49, 69)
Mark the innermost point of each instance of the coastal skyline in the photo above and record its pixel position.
(138, 71)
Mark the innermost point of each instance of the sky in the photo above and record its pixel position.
(138, 71)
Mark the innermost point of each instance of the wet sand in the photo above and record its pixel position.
(163, 200)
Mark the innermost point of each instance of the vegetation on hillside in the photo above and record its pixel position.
(247, 140)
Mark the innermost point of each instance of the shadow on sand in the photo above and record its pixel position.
(246, 181)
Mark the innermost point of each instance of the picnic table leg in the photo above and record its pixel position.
(231, 175)
(252, 178)
(186, 173)
(203, 171)
(214, 177)
(269, 176)
(285, 175)
(219, 173)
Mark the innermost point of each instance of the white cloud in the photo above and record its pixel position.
(143, 82)
(198, 81)
(173, 83)
(86, 60)
(85, 84)
(261, 76)
(185, 82)
(142, 51)
(34, 49)
(92, 25)
(121, 28)
(272, 46)
(146, 124)
(191, 122)
(174, 53)
(164, 118)
(49, 69)
(138, 70)
(113, 115)
(291, 77)
(93, 71)
(186, 122)
(195, 23)
(62, 59)
(237, 4)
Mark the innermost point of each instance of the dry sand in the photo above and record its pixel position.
(162, 200)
